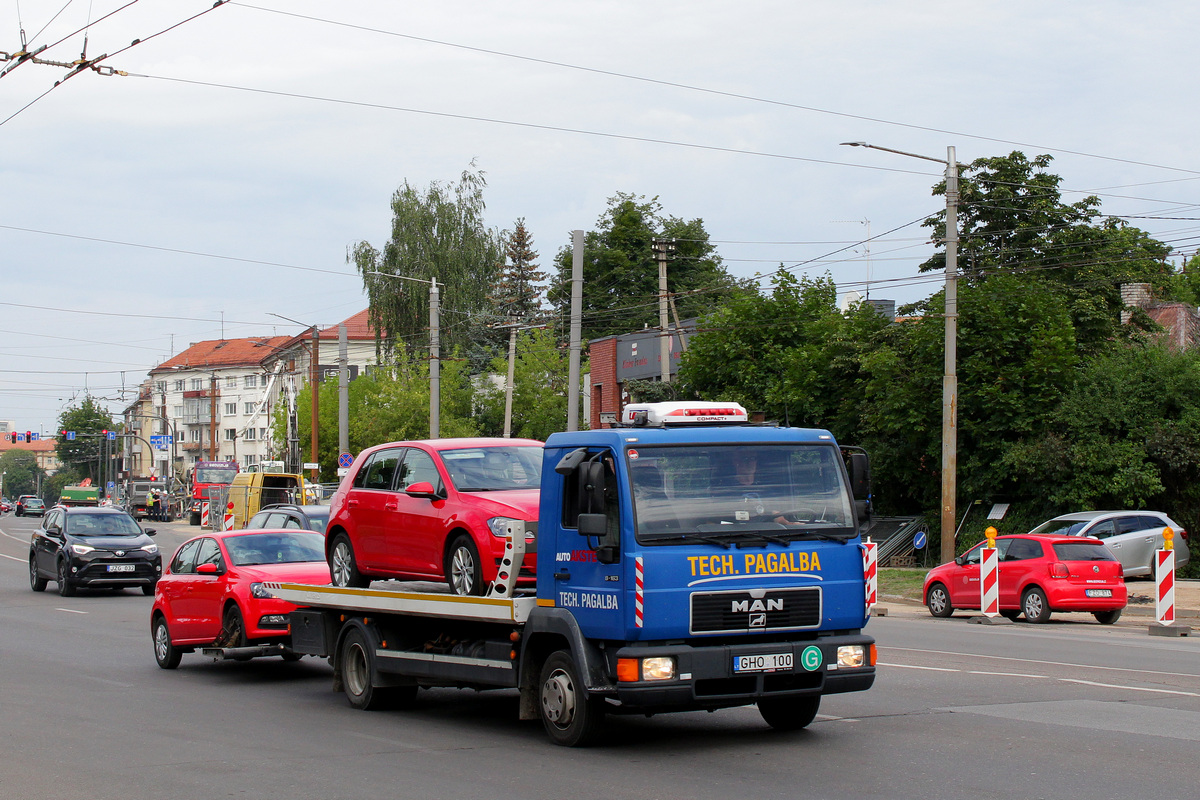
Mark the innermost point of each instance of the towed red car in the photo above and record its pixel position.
(433, 510)
(212, 592)
(1038, 575)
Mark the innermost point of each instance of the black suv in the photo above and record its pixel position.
(99, 548)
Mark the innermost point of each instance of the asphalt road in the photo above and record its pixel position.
(1070, 709)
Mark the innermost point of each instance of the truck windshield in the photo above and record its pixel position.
(215, 474)
(493, 469)
(738, 493)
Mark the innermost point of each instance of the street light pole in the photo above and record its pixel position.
(950, 378)
(435, 349)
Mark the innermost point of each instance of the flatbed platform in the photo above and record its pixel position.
(418, 598)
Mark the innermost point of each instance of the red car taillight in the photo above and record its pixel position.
(1183, 534)
(1059, 570)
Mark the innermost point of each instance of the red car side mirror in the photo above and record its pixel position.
(207, 569)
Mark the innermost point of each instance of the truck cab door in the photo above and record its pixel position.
(589, 575)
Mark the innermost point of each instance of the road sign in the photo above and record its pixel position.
(343, 472)
(70, 436)
(34, 437)
(920, 540)
(310, 465)
(112, 434)
(111, 484)
(345, 460)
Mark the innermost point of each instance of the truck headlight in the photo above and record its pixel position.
(655, 668)
(851, 655)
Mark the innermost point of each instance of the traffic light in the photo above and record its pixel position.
(104, 432)
(62, 435)
(29, 436)
(14, 437)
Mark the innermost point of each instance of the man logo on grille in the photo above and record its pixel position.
(746, 606)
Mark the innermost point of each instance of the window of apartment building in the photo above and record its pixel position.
(161, 387)
(231, 434)
(231, 382)
(251, 381)
(262, 433)
(248, 460)
(178, 385)
(196, 435)
(176, 411)
(250, 408)
(230, 409)
(249, 435)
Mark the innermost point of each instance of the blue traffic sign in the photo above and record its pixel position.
(345, 460)
(111, 484)
(70, 436)
(920, 540)
(112, 434)
(35, 437)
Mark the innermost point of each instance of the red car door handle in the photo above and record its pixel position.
(390, 506)
(352, 502)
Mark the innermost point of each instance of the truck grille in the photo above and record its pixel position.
(738, 612)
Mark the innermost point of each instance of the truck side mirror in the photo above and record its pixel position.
(591, 487)
(860, 485)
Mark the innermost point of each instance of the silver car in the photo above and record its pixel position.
(1131, 536)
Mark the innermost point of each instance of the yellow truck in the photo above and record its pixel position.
(250, 491)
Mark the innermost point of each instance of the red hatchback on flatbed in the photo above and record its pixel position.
(433, 510)
(1038, 575)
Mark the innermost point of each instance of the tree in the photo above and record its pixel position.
(22, 475)
(1012, 219)
(437, 233)
(540, 375)
(620, 275)
(518, 292)
(386, 406)
(83, 455)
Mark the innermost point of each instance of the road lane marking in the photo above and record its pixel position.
(71, 610)
(1050, 663)
(14, 558)
(1005, 674)
(1130, 688)
(914, 666)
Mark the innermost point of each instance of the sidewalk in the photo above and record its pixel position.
(1141, 600)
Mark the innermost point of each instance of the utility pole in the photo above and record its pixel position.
(435, 361)
(576, 331)
(663, 248)
(316, 395)
(343, 391)
(950, 378)
(514, 327)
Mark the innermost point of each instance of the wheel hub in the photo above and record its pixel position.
(558, 699)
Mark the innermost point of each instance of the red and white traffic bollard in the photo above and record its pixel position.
(1164, 585)
(871, 572)
(989, 577)
(1164, 580)
(228, 526)
(204, 512)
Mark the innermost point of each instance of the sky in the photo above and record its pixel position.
(224, 178)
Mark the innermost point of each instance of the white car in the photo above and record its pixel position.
(1131, 536)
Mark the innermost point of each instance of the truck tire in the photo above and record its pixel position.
(789, 713)
(570, 716)
(356, 665)
(464, 573)
(343, 567)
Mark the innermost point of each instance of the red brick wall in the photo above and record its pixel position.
(606, 392)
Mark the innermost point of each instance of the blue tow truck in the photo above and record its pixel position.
(686, 560)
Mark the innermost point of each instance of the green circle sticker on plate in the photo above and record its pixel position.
(810, 659)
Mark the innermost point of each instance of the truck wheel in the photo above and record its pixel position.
(36, 581)
(166, 654)
(789, 713)
(65, 587)
(571, 718)
(193, 519)
(343, 567)
(356, 660)
(1107, 617)
(464, 573)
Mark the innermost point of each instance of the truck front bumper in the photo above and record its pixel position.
(705, 676)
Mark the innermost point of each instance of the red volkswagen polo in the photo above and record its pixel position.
(1038, 575)
(212, 591)
(432, 510)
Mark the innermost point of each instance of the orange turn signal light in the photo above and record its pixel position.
(628, 670)
(874, 654)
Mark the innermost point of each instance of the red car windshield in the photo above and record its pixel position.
(275, 548)
(493, 469)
